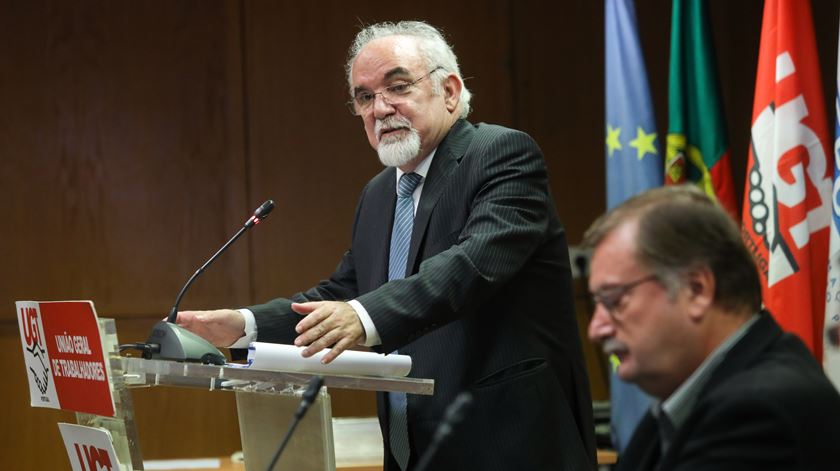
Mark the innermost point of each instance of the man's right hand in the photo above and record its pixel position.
(221, 327)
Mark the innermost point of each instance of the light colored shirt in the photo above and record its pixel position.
(371, 334)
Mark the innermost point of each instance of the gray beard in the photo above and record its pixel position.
(399, 152)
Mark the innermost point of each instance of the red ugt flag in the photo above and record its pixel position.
(787, 199)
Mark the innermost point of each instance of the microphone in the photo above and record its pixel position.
(309, 396)
(172, 342)
(453, 416)
(260, 214)
(306, 401)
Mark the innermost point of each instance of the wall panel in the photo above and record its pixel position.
(559, 100)
(122, 144)
(121, 171)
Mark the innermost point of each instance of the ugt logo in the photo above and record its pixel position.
(35, 348)
(779, 180)
(97, 459)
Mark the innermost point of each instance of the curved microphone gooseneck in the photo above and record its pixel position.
(168, 340)
(259, 214)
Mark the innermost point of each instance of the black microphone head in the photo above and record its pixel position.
(309, 395)
(264, 209)
(312, 390)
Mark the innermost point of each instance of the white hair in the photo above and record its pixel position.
(433, 47)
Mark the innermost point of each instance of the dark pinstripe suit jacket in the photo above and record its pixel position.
(487, 305)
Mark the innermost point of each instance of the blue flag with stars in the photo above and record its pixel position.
(634, 164)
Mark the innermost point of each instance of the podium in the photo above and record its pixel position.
(265, 400)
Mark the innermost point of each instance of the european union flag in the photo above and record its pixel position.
(634, 164)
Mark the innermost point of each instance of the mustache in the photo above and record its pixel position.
(611, 345)
(390, 123)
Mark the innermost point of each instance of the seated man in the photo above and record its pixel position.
(678, 300)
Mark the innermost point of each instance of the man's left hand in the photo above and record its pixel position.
(327, 323)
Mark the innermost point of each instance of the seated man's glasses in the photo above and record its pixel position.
(611, 296)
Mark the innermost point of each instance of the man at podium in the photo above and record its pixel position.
(458, 260)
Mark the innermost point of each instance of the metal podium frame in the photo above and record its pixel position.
(265, 400)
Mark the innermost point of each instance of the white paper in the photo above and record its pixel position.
(282, 357)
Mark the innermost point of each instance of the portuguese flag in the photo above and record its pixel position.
(697, 146)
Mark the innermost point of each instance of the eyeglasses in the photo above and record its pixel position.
(392, 94)
(610, 296)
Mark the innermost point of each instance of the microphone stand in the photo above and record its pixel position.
(453, 416)
(305, 402)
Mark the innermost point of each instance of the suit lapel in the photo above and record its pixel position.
(449, 153)
(757, 339)
(383, 197)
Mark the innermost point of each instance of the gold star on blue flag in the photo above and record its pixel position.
(634, 162)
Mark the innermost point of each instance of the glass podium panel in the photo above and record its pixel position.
(266, 403)
(264, 420)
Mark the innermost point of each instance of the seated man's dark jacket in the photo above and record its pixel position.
(768, 406)
(486, 306)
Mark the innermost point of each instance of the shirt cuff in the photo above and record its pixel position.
(250, 330)
(371, 335)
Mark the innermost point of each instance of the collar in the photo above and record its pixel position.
(679, 405)
(422, 168)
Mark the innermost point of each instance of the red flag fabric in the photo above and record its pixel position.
(787, 197)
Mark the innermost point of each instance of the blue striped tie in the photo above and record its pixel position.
(397, 265)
